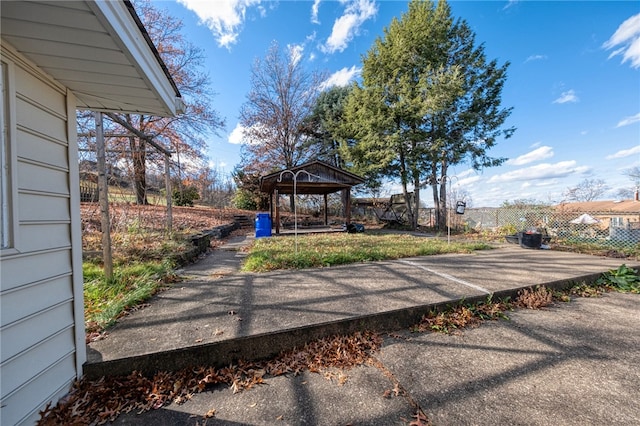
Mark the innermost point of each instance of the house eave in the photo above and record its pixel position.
(99, 50)
(120, 20)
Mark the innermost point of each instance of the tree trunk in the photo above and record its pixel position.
(407, 200)
(442, 205)
(416, 199)
(436, 203)
(138, 155)
(416, 194)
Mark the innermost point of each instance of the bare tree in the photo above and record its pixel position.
(282, 95)
(587, 190)
(182, 134)
(634, 174)
(624, 193)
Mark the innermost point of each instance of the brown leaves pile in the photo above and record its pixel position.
(534, 299)
(101, 401)
(461, 316)
(446, 322)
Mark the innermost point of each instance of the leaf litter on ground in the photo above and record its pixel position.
(103, 400)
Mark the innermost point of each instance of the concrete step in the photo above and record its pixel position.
(244, 221)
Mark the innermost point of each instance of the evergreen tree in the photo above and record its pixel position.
(428, 100)
(324, 126)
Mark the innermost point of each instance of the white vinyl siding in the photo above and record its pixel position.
(39, 293)
(6, 218)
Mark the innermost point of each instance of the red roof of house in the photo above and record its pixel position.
(619, 206)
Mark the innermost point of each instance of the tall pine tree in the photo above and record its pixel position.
(428, 100)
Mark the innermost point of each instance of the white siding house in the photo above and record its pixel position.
(56, 57)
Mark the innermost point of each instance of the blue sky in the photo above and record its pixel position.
(573, 83)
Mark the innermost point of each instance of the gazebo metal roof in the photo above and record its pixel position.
(314, 177)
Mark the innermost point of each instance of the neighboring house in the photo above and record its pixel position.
(57, 57)
(620, 219)
(609, 213)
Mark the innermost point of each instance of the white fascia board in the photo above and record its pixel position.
(117, 20)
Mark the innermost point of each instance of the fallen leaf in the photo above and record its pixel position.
(94, 402)
(280, 418)
(198, 340)
(342, 378)
(210, 413)
(420, 419)
(396, 389)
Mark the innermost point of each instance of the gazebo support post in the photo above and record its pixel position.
(347, 205)
(326, 214)
(277, 218)
(271, 206)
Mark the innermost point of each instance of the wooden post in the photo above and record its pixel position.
(167, 185)
(277, 218)
(271, 206)
(326, 214)
(103, 192)
(347, 206)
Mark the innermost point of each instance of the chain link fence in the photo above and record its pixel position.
(604, 229)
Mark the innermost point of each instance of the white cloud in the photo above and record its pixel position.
(624, 153)
(466, 173)
(541, 171)
(223, 17)
(341, 77)
(236, 136)
(535, 58)
(466, 181)
(295, 52)
(314, 11)
(568, 96)
(348, 25)
(629, 120)
(627, 40)
(249, 135)
(217, 165)
(532, 156)
(510, 3)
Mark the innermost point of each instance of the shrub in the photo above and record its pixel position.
(186, 196)
(244, 200)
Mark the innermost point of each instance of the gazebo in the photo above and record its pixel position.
(315, 178)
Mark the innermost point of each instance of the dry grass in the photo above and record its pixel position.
(139, 232)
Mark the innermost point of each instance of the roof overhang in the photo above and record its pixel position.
(97, 49)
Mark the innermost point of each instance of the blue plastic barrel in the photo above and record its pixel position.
(263, 225)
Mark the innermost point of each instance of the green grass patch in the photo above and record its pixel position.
(324, 250)
(106, 300)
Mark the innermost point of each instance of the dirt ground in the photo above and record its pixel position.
(185, 219)
(140, 231)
